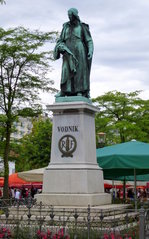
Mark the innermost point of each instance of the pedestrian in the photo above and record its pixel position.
(17, 195)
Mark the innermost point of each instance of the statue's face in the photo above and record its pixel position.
(71, 16)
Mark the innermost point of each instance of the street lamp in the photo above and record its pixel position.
(101, 139)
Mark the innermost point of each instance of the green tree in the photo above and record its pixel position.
(121, 116)
(23, 72)
(33, 150)
(142, 120)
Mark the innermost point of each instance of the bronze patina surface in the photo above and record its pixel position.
(76, 46)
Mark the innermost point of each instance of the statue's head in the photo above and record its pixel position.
(73, 14)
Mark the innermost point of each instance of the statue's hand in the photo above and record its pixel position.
(89, 56)
(61, 48)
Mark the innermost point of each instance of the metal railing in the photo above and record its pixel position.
(27, 219)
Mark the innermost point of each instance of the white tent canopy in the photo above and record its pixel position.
(35, 175)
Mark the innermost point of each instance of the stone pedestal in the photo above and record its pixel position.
(73, 177)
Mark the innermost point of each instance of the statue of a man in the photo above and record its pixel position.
(76, 46)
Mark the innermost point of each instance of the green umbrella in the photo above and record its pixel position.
(144, 177)
(122, 159)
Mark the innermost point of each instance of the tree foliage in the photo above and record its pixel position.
(33, 150)
(122, 116)
(23, 72)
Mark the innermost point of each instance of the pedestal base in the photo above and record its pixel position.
(73, 180)
(73, 177)
(81, 200)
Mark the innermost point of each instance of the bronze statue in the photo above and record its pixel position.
(76, 46)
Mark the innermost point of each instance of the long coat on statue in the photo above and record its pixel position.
(74, 44)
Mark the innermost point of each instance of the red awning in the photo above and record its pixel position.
(119, 186)
(15, 181)
(1, 181)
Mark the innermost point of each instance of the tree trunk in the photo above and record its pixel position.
(6, 166)
(124, 190)
(122, 137)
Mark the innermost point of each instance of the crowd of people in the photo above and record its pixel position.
(141, 194)
(22, 192)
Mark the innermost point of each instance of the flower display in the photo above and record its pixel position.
(49, 235)
(113, 236)
(5, 233)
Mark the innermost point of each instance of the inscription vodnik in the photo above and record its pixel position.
(68, 129)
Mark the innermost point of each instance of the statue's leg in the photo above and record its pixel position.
(86, 94)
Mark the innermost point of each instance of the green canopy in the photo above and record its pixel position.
(144, 177)
(122, 159)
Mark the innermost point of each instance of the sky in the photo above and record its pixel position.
(120, 32)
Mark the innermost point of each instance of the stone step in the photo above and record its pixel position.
(108, 210)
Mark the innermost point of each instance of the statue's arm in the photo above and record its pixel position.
(88, 41)
(60, 45)
(56, 52)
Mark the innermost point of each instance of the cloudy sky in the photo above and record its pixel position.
(120, 31)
